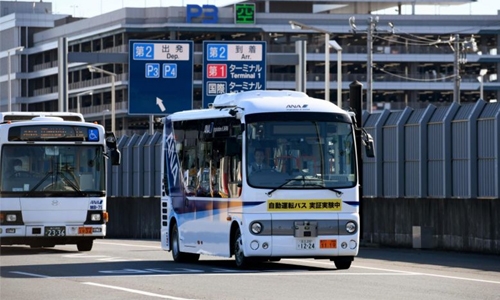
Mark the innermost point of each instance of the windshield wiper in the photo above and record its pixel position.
(339, 193)
(65, 180)
(303, 179)
(72, 184)
(49, 173)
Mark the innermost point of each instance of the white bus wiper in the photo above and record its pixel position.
(49, 173)
(72, 184)
(65, 180)
(304, 183)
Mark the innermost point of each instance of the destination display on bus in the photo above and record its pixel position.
(53, 133)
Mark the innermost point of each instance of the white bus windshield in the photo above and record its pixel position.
(52, 170)
(297, 151)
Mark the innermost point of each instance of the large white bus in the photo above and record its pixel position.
(304, 201)
(53, 179)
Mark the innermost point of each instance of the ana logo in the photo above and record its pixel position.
(297, 106)
(95, 201)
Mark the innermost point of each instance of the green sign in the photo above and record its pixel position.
(244, 13)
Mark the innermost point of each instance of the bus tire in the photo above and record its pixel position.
(85, 245)
(176, 249)
(343, 263)
(241, 261)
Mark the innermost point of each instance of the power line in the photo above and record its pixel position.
(414, 79)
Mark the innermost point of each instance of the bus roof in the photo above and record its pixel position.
(258, 101)
(29, 115)
(233, 99)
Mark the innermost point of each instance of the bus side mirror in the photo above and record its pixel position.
(110, 140)
(115, 157)
(115, 154)
(369, 145)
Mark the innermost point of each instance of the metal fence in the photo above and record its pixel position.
(434, 152)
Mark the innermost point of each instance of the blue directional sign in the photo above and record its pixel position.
(232, 67)
(160, 77)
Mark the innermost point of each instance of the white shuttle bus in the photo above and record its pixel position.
(53, 179)
(261, 175)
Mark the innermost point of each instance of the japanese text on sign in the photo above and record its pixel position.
(233, 67)
(304, 205)
(149, 51)
(244, 13)
(234, 52)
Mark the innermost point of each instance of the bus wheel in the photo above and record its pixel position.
(85, 245)
(342, 263)
(176, 252)
(240, 259)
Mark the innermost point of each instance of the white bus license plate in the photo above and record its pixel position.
(305, 245)
(55, 231)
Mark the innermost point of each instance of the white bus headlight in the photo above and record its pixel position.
(95, 217)
(11, 218)
(350, 227)
(256, 228)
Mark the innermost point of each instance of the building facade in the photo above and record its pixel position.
(415, 59)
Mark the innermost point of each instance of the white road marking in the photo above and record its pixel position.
(30, 274)
(224, 272)
(134, 291)
(128, 245)
(101, 257)
(405, 272)
(80, 255)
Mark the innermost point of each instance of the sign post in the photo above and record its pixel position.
(232, 67)
(160, 77)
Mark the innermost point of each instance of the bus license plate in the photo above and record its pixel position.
(55, 231)
(328, 244)
(84, 230)
(305, 245)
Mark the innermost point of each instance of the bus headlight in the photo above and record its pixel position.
(350, 227)
(95, 217)
(11, 218)
(256, 228)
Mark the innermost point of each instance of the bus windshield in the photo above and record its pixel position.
(52, 170)
(300, 151)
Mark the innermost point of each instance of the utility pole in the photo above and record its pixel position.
(456, 68)
(372, 27)
(369, 63)
(460, 49)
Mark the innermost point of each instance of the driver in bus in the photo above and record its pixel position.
(15, 165)
(258, 163)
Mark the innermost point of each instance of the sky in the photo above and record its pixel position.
(91, 8)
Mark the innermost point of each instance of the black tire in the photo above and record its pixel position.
(240, 260)
(343, 263)
(181, 257)
(85, 245)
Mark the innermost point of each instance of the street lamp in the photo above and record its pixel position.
(104, 112)
(337, 47)
(20, 48)
(480, 78)
(297, 25)
(78, 97)
(113, 76)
